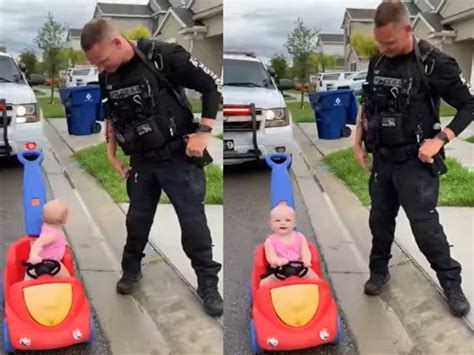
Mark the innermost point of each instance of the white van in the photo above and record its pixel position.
(253, 134)
(23, 115)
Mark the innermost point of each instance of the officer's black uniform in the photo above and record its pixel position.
(400, 115)
(133, 90)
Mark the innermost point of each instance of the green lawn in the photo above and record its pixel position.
(94, 161)
(446, 110)
(457, 186)
(55, 110)
(220, 136)
(470, 139)
(305, 114)
(196, 104)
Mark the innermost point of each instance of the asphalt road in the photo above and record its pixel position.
(246, 213)
(12, 227)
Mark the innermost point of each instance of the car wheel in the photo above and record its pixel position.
(7, 345)
(96, 127)
(346, 131)
(254, 347)
(92, 332)
(339, 331)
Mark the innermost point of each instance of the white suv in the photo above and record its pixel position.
(81, 76)
(23, 115)
(328, 80)
(252, 134)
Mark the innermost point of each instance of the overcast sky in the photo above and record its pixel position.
(262, 26)
(20, 20)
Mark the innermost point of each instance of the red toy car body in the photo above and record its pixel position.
(270, 328)
(27, 303)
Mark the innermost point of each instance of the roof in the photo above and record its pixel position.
(161, 4)
(413, 10)
(361, 13)
(74, 32)
(331, 37)
(185, 15)
(434, 21)
(124, 9)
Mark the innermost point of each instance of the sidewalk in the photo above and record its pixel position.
(163, 316)
(410, 315)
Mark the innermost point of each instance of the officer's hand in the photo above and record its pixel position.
(121, 168)
(428, 149)
(361, 157)
(196, 144)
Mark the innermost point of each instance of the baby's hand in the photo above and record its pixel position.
(35, 259)
(282, 261)
(306, 262)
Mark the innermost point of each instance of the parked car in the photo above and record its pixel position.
(252, 134)
(24, 129)
(328, 80)
(353, 82)
(82, 76)
(301, 86)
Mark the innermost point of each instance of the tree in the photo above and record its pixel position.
(301, 44)
(51, 40)
(326, 61)
(137, 33)
(280, 66)
(29, 60)
(74, 56)
(364, 44)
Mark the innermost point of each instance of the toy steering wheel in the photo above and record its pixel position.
(293, 268)
(46, 267)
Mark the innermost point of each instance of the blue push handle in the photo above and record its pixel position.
(280, 183)
(34, 190)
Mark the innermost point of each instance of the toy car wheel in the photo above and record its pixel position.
(92, 332)
(7, 345)
(339, 331)
(346, 131)
(96, 127)
(254, 347)
(249, 294)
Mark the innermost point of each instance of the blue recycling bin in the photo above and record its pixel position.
(83, 108)
(334, 109)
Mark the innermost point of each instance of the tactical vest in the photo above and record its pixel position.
(398, 105)
(145, 111)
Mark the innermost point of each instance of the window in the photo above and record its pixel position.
(361, 76)
(246, 73)
(353, 66)
(347, 75)
(80, 72)
(9, 72)
(332, 76)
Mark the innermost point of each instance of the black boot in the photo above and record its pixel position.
(374, 284)
(128, 283)
(212, 300)
(457, 302)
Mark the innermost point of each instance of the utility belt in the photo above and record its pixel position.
(148, 134)
(397, 154)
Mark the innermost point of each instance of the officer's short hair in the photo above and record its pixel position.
(390, 12)
(95, 31)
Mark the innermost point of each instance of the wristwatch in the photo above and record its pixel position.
(443, 137)
(204, 128)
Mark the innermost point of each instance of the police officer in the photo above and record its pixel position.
(400, 125)
(149, 118)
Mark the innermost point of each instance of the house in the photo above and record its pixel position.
(198, 27)
(194, 24)
(73, 39)
(447, 24)
(128, 16)
(332, 44)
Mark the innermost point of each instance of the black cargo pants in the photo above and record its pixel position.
(185, 185)
(410, 185)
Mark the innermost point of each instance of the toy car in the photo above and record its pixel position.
(290, 313)
(43, 313)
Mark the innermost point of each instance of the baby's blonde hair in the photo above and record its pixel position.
(55, 212)
(282, 206)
